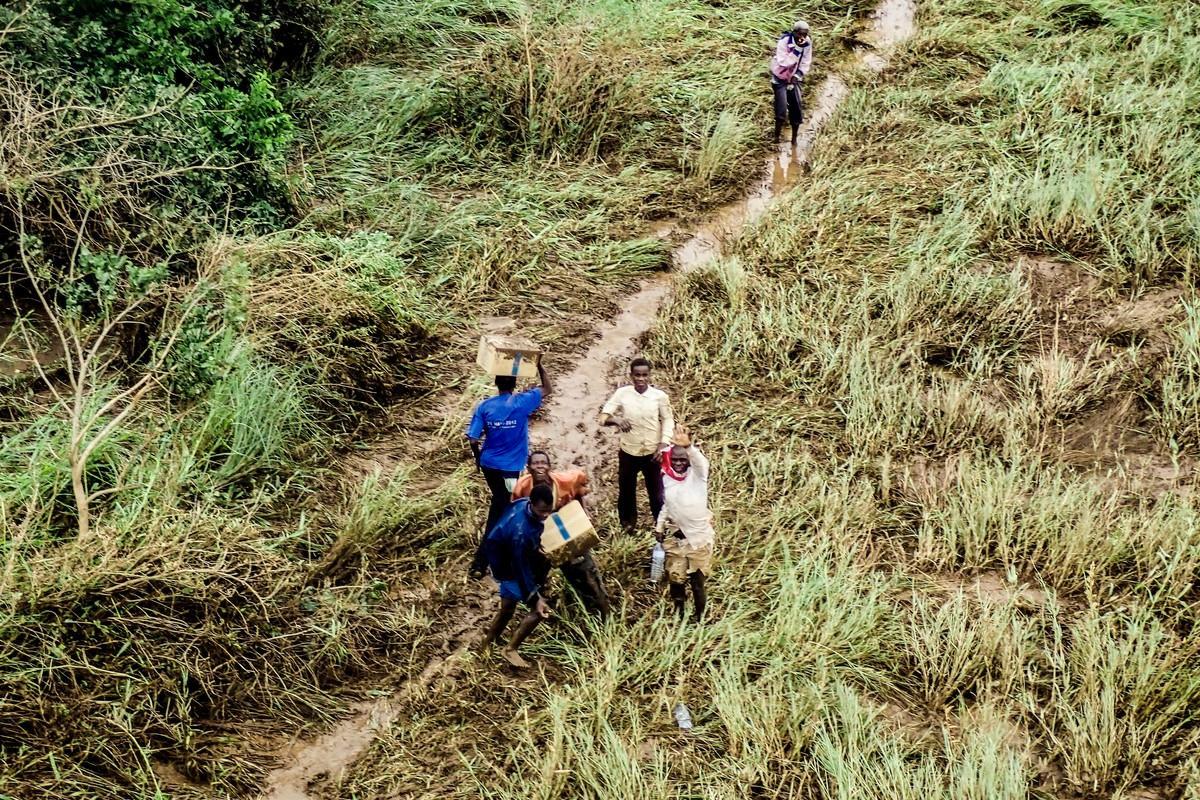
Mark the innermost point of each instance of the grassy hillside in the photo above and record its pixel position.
(233, 234)
(948, 388)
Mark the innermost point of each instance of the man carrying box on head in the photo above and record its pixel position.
(642, 413)
(685, 524)
(513, 551)
(572, 484)
(499, 434)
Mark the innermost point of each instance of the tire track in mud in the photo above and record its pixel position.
(570, 420)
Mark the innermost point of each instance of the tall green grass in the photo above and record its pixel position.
(1179, 389)
(921, 590)
(868, 368)
(448, 161)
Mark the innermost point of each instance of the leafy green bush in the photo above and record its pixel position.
(208, 339)
(184, 89)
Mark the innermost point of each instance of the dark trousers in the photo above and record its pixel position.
(628, 469)
(501, 500)
(584, 577)
(787, 103)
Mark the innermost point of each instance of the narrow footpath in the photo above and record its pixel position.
(570, 419)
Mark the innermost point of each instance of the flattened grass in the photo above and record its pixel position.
(871, 374)
(452, 160)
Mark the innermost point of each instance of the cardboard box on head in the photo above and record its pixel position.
(568, 533)
(508, 355)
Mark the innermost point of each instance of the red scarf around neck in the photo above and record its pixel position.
(668, 470)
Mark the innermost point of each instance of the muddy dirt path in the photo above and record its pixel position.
(310, 765)
(570, 423)
(570, 427)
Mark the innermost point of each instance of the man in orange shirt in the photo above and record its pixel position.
(568, 485)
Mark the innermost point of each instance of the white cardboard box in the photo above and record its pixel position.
(508, 355)
(568, 533)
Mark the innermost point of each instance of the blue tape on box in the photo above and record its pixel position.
(516, 364)
(561, 528)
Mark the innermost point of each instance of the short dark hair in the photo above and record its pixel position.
(506, 383)
(640, 362)
(541, 494)
(533, 453)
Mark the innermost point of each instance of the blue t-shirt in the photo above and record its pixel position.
(503, 424)
(513, 550)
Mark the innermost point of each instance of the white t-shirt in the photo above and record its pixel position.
(685, 502)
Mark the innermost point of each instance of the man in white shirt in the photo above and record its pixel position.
(685, 524)
(642, 413)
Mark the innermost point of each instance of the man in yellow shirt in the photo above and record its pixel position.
(642, 413)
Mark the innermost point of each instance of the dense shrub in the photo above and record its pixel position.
(177, 97)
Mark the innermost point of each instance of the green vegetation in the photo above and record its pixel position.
(947, 388)
(231, 233)
(950, 388)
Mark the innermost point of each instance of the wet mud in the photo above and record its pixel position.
(25, 348)
(570, 422)
(314, 764)
(570, 427)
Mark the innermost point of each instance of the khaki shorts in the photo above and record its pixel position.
(683, 559)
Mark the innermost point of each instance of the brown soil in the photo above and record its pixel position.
(171, 777)
(26, 348)
(1090, 323)
(1081, 315)
(311, 766)
(570, 421)
(989, 587)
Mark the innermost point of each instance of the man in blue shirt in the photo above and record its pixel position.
(514, 552)
(499, 434)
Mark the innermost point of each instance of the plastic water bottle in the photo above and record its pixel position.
(683, 717)
(658, 562)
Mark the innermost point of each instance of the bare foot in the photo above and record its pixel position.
(514, 658)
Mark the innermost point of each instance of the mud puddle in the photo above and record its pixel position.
(570, 423)
(323, 759)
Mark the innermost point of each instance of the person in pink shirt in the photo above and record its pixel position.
(789, 65)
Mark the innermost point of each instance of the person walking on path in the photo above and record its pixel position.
(499, 435)
(685, 524)
(642, 413)
(581, 572)
(789, 66)
(513, 551)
